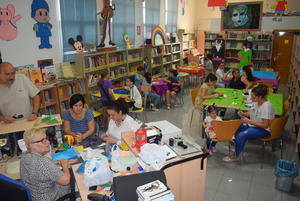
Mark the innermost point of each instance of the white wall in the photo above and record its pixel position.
(24, 48)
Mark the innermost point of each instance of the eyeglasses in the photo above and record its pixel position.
(18, 116)
(44, 140)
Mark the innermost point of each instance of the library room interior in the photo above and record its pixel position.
(150, 100)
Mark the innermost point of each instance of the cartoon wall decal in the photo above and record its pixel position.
(213, 3)
(128, 43)
(77, 45)
(8, 22)
(218, 50)
(280, 7)
(40, 13)
(245, 55)
(106, 13)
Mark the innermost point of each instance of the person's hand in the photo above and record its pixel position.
(64, 163)
(216, 95)
(246, 120)
(241, 114)
(7, 119)
(109, 139)
(79, 137)
(32, 117)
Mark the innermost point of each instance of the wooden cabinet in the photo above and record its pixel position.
(49, 101)
(294, 86)
(189, 44)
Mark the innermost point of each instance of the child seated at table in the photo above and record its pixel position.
(210, 134)
(147, 82)
(138, 77)
(135, 98)
(174, 85)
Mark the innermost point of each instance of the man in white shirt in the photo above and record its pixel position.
(19, 97)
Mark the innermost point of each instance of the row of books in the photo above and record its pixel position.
(116, 72)
(37, 75)
(118, 57)
(234, 45)
(176, 48)
(166, 59)
(134, 55)
(176, 56)
(211, 36)
(155, 61)
(95, 61)
(263, 46)
(236, 35)
(263, 56)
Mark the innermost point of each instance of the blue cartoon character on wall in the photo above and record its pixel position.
(40, 13)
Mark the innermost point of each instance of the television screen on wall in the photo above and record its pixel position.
(244, 16)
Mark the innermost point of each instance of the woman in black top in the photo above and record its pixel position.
(235, 81)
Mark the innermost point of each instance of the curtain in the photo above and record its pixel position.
(123, 21)
(172, 14)
(78, 17)
(152, 16)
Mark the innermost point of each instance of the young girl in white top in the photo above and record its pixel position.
(135, 99)
(210, 134)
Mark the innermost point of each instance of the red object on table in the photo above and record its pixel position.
(140, 138)
(198, 71)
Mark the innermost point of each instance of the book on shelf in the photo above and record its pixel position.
(49, 73)
(115, 58)
(68, 70)
(81, 86)
(92, 80)
(36, 76)
(47, 95)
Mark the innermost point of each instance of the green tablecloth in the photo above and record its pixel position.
(236, 100)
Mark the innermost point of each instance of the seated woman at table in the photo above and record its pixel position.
(238, 81)
(148, 83)
(119, 122)
(134, 101)
(221, 75)
(206, 91)
(45, 179)
(174, 87)
(78, 121)
(248, 74)
(258, 124)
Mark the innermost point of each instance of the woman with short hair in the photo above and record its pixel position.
(45, 180)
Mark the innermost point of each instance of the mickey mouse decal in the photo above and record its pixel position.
(77, 45)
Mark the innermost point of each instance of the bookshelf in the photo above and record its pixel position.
(294, 86)
(162, 58)
(261, 47)
(188, 43)
(49, 101)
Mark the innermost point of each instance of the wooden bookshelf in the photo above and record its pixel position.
(261, 47)
(188, 43)
(49, 101)
(294, 86)
(162, 58)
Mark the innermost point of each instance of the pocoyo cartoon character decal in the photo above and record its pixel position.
(8, 22)
(40, 13)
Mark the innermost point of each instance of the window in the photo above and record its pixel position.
(123, 21)
(78, 17)
(151, 14)
(171, 16)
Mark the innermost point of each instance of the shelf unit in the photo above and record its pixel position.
(261, 47)
(55, 97)
(119, 63)
(294, 86)
(188, 43)
(163, 57)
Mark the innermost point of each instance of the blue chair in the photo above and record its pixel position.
(14, 190)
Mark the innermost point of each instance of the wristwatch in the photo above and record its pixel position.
(34, 113)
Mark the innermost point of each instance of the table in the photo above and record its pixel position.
(180, 172)
(159, 86)
(116, 95)
(196, 71)
(235, 100)
(24, 124)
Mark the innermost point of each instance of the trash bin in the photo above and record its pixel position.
(285, 173)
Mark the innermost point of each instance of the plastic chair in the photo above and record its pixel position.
(11, 189)
(276, 130)
(194, 93)
(225, 130)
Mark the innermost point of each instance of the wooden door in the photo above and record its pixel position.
(281, 53)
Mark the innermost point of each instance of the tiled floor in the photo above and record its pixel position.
(238, 181)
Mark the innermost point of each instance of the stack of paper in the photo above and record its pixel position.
(154, 191)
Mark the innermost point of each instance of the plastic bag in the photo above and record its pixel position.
(97, 172)
(115, 156)
(286, 168)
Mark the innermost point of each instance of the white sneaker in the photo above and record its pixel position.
(168, 107)
(155, 109)
(151, 104)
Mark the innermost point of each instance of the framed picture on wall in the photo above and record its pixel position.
(244, 16)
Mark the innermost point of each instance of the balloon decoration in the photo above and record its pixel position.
(8, 23)
(40, 13)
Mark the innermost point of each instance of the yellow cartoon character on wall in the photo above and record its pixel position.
(280, 7)
(128, 43)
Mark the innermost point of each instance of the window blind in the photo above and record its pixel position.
(152, 16)
(78, 17)
(171, 16)
(123, 21)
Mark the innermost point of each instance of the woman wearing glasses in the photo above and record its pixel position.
(45, 179)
